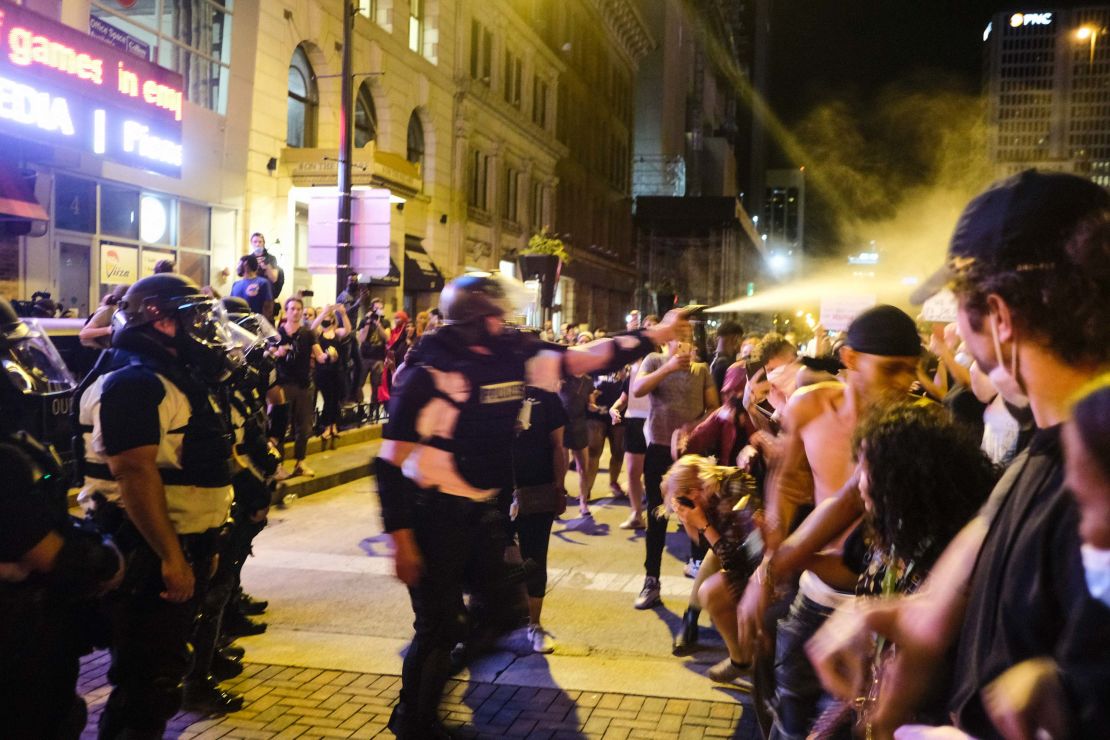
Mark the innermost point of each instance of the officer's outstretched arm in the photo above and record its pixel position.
(608, 354)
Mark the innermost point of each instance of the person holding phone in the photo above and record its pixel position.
(681, 391)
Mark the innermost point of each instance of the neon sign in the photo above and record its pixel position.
(62, 87)
(1019, 20)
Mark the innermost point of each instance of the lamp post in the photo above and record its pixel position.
(1090, 34)
(346, 117)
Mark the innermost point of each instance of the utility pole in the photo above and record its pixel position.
(346, 105)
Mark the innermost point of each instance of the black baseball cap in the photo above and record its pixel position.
(886, 331)
(1021, 223)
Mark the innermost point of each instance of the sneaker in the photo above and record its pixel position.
(205, 696)
(303, 469)
(634, 521)
(649, 595)
(616, 490)
(540, 640)
(690, 570)
(728, 672)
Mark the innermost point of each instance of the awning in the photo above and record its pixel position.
(421, 274)
(391, 279)
(17, 195)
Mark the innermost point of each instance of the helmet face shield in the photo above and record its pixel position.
(32, 363)
(259, 326)
(205, 322)
(205, 337)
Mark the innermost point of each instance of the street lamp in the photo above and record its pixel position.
(1089, 33)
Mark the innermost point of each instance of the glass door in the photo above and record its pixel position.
(73, 275)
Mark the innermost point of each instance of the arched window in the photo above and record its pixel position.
(416, 140)
(302, 103)
(366, 116)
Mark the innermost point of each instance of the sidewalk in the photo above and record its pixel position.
(284, 702)
(351, 459)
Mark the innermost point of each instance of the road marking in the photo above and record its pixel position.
(627, 583)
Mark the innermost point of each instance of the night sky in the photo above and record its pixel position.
(857, 56)
(823, 48)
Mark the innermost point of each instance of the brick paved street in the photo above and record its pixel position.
(289, 702)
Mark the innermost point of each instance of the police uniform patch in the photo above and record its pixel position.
(501, 392)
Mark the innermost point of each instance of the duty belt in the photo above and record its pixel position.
(170, 476)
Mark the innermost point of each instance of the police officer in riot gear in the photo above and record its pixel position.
(254, 462)
(156, 451)
(51, 567)
(445, 456)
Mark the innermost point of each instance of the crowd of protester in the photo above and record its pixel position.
(905, 523)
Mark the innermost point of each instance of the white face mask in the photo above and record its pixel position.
(1005, 379)
(963, 359)
(1096, 566)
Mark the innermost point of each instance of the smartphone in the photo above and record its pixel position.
(685, 501)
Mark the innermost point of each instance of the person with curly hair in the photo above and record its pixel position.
(922, 477)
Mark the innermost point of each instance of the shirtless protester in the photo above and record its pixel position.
(880, 359)
(1029, 263)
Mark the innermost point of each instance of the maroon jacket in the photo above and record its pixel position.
(723, 438)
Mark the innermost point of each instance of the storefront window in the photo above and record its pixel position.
(156, 220)
(193, 265)
(192, 37)
(119, 211)
(74, 204)
(194, 225)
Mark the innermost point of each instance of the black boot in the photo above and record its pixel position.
(405, 727)
(251, 606)
(686, 641)
(205, 696)
(224, 668)
(237, 625)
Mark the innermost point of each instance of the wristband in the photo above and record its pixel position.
(629, 346)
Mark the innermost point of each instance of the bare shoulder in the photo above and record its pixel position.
(811, 401)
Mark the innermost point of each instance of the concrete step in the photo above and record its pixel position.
(352, 458)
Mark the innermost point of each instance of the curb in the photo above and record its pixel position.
(301, 486)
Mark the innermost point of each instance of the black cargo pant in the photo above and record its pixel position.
(150, 637)
(463, 545)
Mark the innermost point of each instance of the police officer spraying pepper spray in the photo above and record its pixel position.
(156, 451)
(52, 567)
(445, 456)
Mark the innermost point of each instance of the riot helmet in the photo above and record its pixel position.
(30, 361)
(202, 339)
(235, 306)
(468, 299)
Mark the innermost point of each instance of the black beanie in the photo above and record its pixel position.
(886, 331)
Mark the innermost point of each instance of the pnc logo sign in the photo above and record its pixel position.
(1018, 20)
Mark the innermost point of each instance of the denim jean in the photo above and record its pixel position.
(799, 697)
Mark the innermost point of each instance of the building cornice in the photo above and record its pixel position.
(623, 21)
